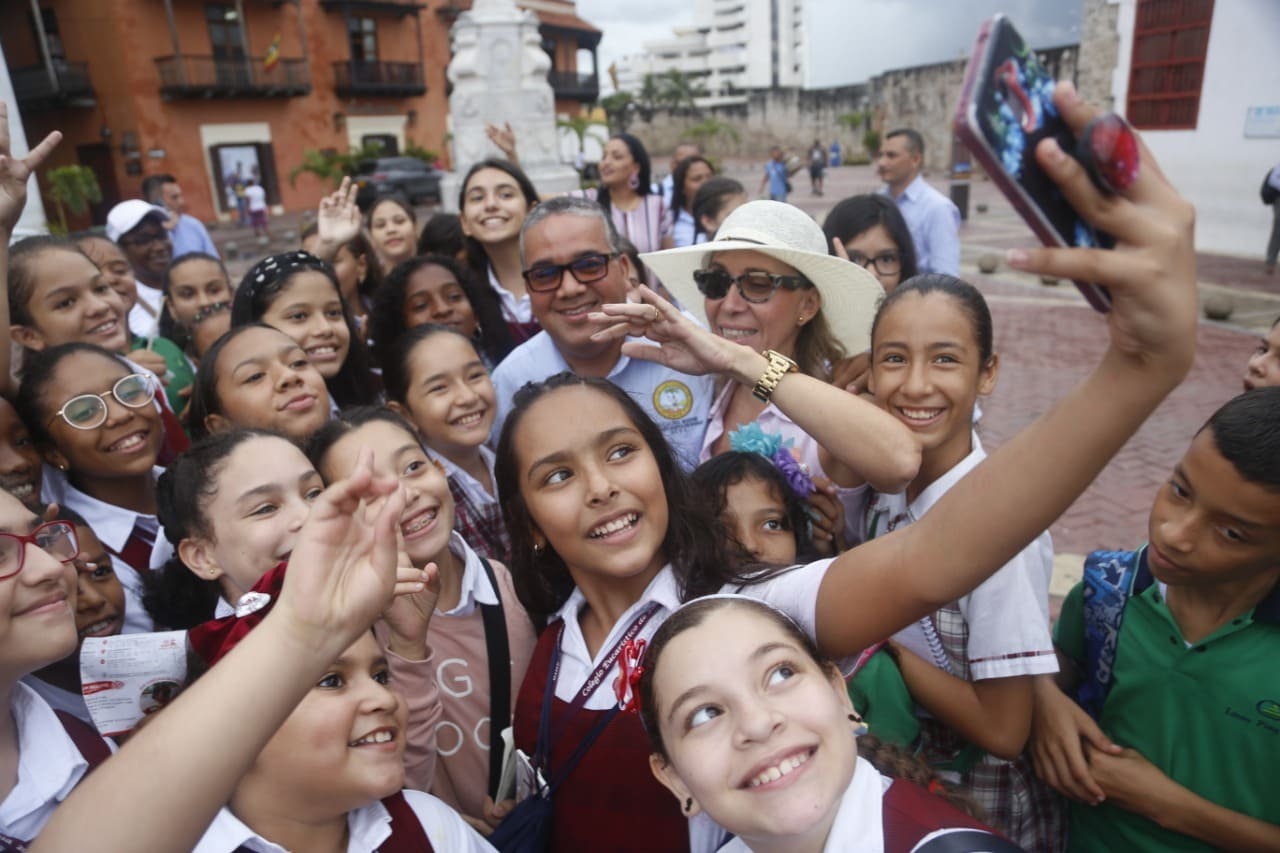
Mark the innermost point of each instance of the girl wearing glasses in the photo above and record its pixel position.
(766, 281)
(495, 198)
(57, 295)
(870, 231)
(37, 591)
(100, 607)
(93, 418)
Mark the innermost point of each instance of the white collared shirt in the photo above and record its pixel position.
(475, 588)
(859, 823)
(113, 525)
(59, 699)
(367, 826)
(513, 310)
(49, 766)
(1008, 613)
(471, 487)
(677, 402)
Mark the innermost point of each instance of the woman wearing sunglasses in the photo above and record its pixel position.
(94, 420)
(767, 281)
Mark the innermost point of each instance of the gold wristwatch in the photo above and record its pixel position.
(779, 366)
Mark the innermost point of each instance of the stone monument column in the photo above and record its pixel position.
(499, 74)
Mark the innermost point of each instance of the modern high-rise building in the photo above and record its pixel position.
(733, 45)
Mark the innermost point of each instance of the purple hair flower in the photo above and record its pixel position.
(793, 472)
(751, 438)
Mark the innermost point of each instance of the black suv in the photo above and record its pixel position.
(406, 177)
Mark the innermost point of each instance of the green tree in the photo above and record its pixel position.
(581, 125)
(851, 121)
(871, 142)
(678, 92)
(650, 97)
(331, 165)
(618, 108)
(426, 155)
(72, 188)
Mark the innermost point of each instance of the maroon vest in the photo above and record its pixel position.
(909, 813)
(610, 801)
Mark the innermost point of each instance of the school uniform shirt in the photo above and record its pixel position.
(49, 766)
(113, 525)
(1007, 616)
(677, 402)
(459, 675)
(999, 630)
(367, 827)
(774, 420)
(513, 310)
(1207, 714)
(794, 592)
(144, 316)
(477, 515)
(59, 699)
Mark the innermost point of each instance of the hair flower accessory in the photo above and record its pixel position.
(751, 438)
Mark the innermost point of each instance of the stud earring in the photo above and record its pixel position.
(860, 727)
(537, 549)
(688, 805)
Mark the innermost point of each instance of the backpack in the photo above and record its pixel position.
(1269, 193)
(1108, 583)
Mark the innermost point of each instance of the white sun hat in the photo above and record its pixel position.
(849, 293)
(128, 215)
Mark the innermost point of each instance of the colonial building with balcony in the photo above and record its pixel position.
(216, 93)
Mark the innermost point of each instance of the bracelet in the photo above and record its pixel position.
(779, 366)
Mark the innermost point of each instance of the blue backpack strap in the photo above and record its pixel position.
(1108, 583)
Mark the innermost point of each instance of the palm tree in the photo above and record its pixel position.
(73, 188)
(679, 92)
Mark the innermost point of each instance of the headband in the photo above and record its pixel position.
(275, 267)
(751, 438)
(212, 640)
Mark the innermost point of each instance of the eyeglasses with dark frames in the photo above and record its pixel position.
(57, 539)
(756, 286)
(886, 263)
(542, 278)
(89, 411)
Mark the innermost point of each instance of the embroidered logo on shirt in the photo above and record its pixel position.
(672, 399)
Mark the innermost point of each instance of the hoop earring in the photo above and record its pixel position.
(634, 181)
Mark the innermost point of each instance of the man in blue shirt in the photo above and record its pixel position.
(932, 218)
(775, 175)
(187, 233)
(574, 264)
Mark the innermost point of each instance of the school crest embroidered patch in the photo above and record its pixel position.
(672, 399)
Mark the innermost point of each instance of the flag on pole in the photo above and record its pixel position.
(272, 59)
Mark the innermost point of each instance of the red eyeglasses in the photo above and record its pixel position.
(57, 539)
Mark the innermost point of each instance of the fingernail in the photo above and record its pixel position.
(1069, 93)
(1017, 258)
(1053, 152)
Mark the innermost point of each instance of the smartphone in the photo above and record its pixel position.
(1006, 108)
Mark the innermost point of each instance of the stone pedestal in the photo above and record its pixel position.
(499, 74)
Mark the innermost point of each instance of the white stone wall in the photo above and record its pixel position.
(1215, 166)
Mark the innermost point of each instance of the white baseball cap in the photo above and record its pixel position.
(128, 215)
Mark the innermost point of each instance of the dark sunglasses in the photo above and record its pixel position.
(756, 286)
(586, 269)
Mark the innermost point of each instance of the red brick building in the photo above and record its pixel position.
(204, 90)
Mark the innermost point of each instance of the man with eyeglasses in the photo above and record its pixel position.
(573, 264)
(138, 228)
(932, 218)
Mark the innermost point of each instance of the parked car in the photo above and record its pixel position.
(408, 177)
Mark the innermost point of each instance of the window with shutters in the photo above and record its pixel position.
(1170, 40)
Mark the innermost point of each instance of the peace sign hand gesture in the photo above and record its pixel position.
(14, 173)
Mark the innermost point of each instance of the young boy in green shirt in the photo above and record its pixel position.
(1176, 650)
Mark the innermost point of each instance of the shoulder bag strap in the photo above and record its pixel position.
(498, 648)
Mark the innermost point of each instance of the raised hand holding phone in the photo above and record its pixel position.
(1006, 109)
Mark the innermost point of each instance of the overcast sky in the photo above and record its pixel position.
(851, 40)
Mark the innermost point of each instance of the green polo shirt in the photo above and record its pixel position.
(1207, 715)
